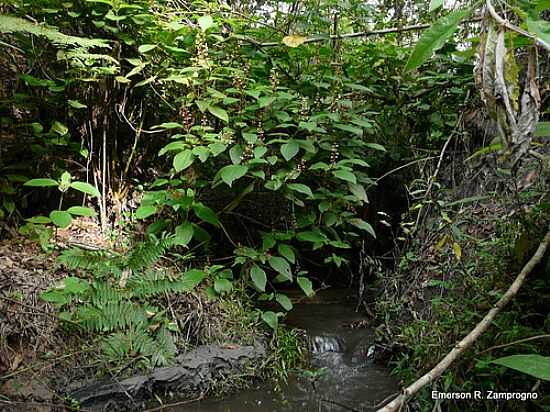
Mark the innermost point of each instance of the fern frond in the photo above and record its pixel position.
(113, 316)
(12, 24)
(100, 263)
(146, 254)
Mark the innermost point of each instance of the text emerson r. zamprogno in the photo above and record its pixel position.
(491, 395)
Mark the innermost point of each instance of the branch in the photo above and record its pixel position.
(480, 328)
(321, 37)
(513, 27)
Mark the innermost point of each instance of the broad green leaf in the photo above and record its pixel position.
(306, 285)
(183, 160)
(192, 278)
(301, 188)
(232, 172)
(184, 234)
(310, 236)
(271, 319)
(287, 252)
(74, 285)
(81, 211)
(172, 146)
(205, 22)
(537, 366)
(86, 188)
(345, 175)
(284, 301)
(54, 296)
(361, 224)
(39, 220)
(435, 4)
(290, 149)
(258, 277)
(61, 218)
(222, 285)
(294, 40)
(358, 191)
(169, 125)
(376, 146)
(540, 28)
(143, 212)
(75, 104)
(280, 265)
(41, 183)
(434, 38)
(205, 213)
(349, 128)
(219, 113)
(59, 128)
(146, 48)
(265, 101)
(542, 129)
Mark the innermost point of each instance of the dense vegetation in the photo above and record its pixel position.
(244, 149)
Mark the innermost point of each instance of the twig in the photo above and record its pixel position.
(513, 27)
(402, 167)
(475, 333)
(514, 343)
(171, 405)
(321, 37)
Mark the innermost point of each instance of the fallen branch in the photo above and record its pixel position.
(513, 27)
(325, 37)
(480, 328)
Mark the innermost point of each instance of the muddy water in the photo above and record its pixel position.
(345, 377)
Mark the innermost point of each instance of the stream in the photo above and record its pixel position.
(344, 378)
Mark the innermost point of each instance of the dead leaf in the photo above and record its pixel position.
(294, 40)
(16, 362)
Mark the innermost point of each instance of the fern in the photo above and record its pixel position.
(146, 254)
(112, 316)
(100, 263)
(154, 284)
(12, 24)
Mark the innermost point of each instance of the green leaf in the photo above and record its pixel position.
(358, 191)
(435, 4)
(184, 234)
(41, 183)
(287, 252)
(540, 28)
(232, 172)
(192, 278)
(39, 220)
(361, 224)
(281, 265)
(61, 218)
(143, 212)
(290, 149)
(301, 188)
(310, 236)
(81, 211)
(205, 22)
(222, 285)
(284, 301)
(205, 213)
(271, 319)
(86, 188)
(345, 175)
(434, 38)
(75, 104)
(169, 125)
(537, 366)
(542, 129)
(219, 113)
(146, 48)
(306, 285)
(349, 128)
(376, 146)
(183, 160)
(75, 285)
(56, 297)
(258, 277)
(59, 128)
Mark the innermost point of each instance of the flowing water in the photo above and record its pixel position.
(344, 376)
